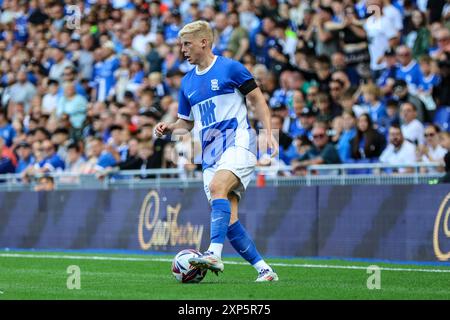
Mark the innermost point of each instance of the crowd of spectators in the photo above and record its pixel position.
(82, 83)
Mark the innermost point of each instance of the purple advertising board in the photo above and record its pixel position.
(408, 223)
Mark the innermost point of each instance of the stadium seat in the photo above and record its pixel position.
(442, 117)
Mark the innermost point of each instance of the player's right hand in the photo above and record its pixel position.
(161, 129)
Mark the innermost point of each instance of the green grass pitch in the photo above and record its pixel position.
(43, 275)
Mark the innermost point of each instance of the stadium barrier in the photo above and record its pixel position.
(394, 222)
(342, 174)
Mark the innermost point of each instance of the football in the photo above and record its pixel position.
(183, 271)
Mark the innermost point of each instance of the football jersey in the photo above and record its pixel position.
(212, 100)
(429, 82)
(411, 74)
(104, 76)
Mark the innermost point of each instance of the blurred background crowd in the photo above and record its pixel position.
(82, 83)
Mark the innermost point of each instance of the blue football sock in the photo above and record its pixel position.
(220, 218)
(242, 243)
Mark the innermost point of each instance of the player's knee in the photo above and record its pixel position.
(217, 190)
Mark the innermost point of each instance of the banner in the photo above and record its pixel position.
(395, 222)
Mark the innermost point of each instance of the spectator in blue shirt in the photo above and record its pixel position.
(104, 71)
(429, 79)
(172, 26)
(137, 73)
(21, 27)
(373, 105)
(393, 117)
(103, 154)
(106, 159)
(52, 161)
(304, 121)
(116, 140)
(296, 127)
(343, 145)
(387, 77)
(25, 156)
(7, 131)
(409, 69)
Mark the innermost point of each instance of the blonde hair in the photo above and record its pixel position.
(155, 76)
(201, 29)
(372, 89)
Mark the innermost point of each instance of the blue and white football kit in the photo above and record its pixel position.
(211, 98)
(214, 99)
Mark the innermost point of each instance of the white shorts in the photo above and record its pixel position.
(238, 160)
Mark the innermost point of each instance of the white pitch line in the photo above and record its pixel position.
(276, 264)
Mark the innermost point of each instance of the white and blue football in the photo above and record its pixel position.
(182, 269)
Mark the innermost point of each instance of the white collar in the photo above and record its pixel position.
(199, 73)
(375, 106)
(409, 66)
(429, 78)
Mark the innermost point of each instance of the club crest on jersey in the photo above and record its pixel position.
(214, 84)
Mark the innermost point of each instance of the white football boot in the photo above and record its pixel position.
(267, 275)
(208, 261)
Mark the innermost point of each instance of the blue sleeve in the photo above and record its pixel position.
(106, 160)
(139, 77)
(184, 107)
(239, 74)
(56, 162)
